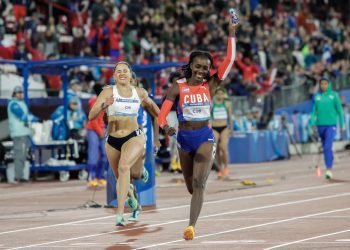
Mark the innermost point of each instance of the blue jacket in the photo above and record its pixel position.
(19, 117)
(60, 129)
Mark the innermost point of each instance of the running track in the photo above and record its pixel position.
(288, 208)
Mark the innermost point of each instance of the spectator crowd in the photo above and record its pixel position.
(279, 42)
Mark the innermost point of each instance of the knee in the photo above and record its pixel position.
(136, 174)
(198, 183)
(223, 148)
(123, 169)
(190, 189)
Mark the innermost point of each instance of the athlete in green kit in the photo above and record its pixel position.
(327, 110)
(221, 115)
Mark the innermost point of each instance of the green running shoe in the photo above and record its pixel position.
(328, 175)
(119, 220)
(144, 176)
(132, 201)
(134, 215)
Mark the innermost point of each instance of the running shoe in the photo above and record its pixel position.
(145, 175)
(93, 183)
(176, 166)
(189, 233)
(219, 174)
(226, 172)
(134, 215)
(102, 182)
(119, 220)
(328, 175)
(132, 201)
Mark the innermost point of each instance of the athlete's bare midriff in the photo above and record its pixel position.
(192, 125)
(119, 126)
(218, 123)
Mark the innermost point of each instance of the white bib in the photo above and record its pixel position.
(220, 113)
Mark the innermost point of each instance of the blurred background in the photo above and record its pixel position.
(283, 48)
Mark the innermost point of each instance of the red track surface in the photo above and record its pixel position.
(288, 208)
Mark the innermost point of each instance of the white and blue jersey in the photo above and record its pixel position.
(124, 106)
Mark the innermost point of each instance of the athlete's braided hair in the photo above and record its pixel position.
(186, 69)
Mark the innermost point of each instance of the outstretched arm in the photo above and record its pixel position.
(174, 91)
(226, 65)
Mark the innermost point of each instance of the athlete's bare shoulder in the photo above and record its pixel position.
(141, 92)
(174, 90)
(107, 90)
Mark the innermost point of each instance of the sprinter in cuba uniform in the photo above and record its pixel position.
(195, 139)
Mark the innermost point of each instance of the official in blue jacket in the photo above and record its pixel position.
(19, 119)
(76, 120)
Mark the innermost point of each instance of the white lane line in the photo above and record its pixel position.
(183, 245)
(251, 227)
(10, 195)
(183, 220)
(145, 221)
(177, 207)
(55, 225)
(95, 244)
(343, 240)
(233, 241)
(278, 205)
(311, 238)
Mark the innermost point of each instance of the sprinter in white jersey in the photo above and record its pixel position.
(125, 145)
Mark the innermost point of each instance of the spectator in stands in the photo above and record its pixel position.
(249, 69)
(21, 51)
(53, 82)
(326, 112)
(74, 125)
(37, 52)
(20, 8)
(19, 119)
(50, 44)
(251, 122)
(239, 124)
(64, 36)
(2, 29)
(116, 29)
(290, 38)
(79, 41)
(97, 159)
(256, 116)
(73, 91)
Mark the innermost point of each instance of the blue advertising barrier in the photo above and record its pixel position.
(145, 191)
(259, 146)
(306, 107)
